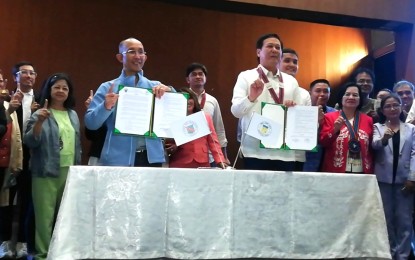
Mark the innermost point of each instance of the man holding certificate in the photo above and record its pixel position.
(265, 83)
(125, 150)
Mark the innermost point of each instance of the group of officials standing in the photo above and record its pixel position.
(41, 137)
(348, 138)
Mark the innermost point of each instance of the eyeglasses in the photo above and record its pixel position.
(363, 81)
(392, 106)
(134, 52)
(406, 92)
(27, 73)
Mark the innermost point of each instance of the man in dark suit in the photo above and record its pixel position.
(24, 75)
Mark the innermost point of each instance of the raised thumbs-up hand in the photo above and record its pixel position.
(15, 101)
(44, 112)
(18, 95)
(110, 98)
(89, 99)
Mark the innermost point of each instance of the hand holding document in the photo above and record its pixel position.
(140, 113)
(133, 111)
(168, 109)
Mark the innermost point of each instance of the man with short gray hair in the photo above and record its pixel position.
(405, 90)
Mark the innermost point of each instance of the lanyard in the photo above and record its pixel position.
(277, 99)
(353, 130)
(203, 100)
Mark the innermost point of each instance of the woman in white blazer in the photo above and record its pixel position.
(394, 147)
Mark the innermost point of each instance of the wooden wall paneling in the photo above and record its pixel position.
(81, 38)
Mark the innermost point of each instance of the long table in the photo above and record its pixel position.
(139, 213)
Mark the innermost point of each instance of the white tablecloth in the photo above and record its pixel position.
(131, 213)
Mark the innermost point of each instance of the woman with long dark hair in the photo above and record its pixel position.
(53, 136)
(394, 146)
